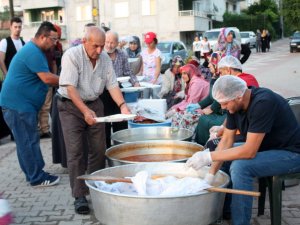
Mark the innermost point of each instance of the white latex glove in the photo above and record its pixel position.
(209, 178)
(199, 159)
(215, 129)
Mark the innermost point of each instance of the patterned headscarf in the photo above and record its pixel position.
(233, 48)
(177, 60)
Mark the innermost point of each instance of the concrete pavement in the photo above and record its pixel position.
(54, 205)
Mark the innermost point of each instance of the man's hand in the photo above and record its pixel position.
(89, 117)
(216, 131)
(209, 178)
(199, 160)
(124, 109)
(207, 111)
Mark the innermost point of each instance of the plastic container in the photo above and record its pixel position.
(131, 96)
(132, 124)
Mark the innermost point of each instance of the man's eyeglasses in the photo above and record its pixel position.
(53, 39)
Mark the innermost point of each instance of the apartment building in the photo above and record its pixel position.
(170, 19)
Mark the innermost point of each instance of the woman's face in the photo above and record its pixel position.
(151, 45)
(185, 76)
(229, 37)
(175, 69)
(133, 46)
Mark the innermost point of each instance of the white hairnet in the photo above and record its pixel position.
(228, 87)
(230, 61)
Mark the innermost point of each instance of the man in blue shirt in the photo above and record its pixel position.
(23, 94)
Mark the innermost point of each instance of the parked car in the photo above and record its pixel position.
(295, 42)
(213, 34)
(169, 49)
(248, 38)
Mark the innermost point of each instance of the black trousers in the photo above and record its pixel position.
(111, 108)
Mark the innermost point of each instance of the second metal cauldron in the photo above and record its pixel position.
(151, 151)
(151, 134)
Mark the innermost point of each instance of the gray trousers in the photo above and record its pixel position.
(74, 128)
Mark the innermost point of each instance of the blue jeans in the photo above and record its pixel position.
(243, 172)
(24, 128)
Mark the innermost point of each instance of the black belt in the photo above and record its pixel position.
(63, 99)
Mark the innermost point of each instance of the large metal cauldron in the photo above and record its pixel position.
(120, 209)
(151, 151)
(150, 134)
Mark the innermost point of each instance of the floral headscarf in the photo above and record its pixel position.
(233, 48)
(177, 60)
(214, 60)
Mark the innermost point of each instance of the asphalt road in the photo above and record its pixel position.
(277, 69)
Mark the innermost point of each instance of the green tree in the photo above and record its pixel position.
(291, 14)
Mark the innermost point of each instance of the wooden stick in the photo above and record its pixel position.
(109, 179)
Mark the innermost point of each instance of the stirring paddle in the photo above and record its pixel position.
(109, 179)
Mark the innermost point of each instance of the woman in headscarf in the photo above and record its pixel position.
(210, 110)
(134, 55)
(196, 89)
(172, 87)
(227, 44)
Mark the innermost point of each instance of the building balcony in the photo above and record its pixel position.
(191, 20)
(40, 4)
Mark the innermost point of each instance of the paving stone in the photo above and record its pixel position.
(35, 219)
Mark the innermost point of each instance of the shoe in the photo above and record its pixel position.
(81, 205)
(49, 180)
(46, 135)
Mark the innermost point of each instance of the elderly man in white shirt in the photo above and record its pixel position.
(86, 70)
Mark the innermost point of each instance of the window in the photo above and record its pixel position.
(83, 13)
(234, 8)
(121, 9)
(47, 15)
(148, 7)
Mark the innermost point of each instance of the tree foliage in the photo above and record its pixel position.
(291, 13)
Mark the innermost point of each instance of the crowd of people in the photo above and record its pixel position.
(249, 128)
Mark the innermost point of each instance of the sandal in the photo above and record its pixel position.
(81, 205)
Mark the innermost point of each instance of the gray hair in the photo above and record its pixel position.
(93, 30)
(113, 33)
(228, 87)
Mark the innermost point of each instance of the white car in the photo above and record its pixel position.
(248, 38)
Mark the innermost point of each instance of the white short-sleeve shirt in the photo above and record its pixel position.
(77, 70)
(3, 44)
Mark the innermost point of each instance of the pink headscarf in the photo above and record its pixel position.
(191, 71)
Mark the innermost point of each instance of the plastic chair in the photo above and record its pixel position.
(275, 185)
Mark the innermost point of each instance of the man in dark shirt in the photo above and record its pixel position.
(272, 145)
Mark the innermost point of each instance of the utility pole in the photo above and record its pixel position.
(11, 8)
(281, 19)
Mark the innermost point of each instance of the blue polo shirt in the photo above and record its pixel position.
(22, 89)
